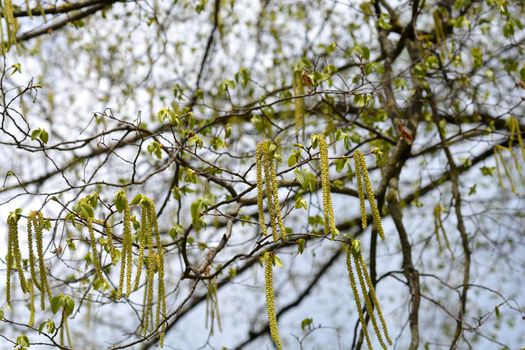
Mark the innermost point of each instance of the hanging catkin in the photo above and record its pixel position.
(31, 260)
(144, 232)
(356, 265)
(126, 254)
(265, 159)
(329, 221)
(360, 189)
(12, 222)
(38, 226)
(270, 299)
(259, 154)
(370, 193)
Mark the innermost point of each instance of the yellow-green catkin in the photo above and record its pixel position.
(38, 226)
(161, 305)
(150, 268)
(12, 222)
(370, 194)
(31, 222)
(31, 304)
(145, 231)
(329, 221)
(298, 91)
(94, 254)
(270, 299)
(259, 154)
(356, 295)
(374, 297)
(11, 24)
(277, 205)
(126, 257)
(360, 189)
(269, 190)
(9, 262)
(274, 207)
(368, 303)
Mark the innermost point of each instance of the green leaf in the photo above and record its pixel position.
(306, 324)
(22, 340)
(487, 171)
(1, 314)
(50, 327)
(300, 245)
(120, 201)
(306, 179)
(276, 261)
(56, 303)
(137, 199)
(498, 314)
(340, 164)
(292, 159)
(300, 203)
(17, 68)
(44, 136)
(69, 306)
(41, 327)
(195, 209)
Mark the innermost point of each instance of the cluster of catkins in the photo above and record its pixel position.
(265, 162)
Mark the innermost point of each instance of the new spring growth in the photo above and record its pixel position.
(329, 222)
(265, 160)
(359, 160)
(355, 258)
(270, 299)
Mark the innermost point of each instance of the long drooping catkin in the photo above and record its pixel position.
(374, 296)
(329, 221)
(150, 271)
(368, 303)
(126, 254)
(370, 194)
(356, 295)
(276, 203)
(353, 253)
(259, 154)
(272, 187)
(12, 222)
(145, 231)
(9, 262)
(270, 300)
(360, 189)
(38, 225)
(31, 222)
